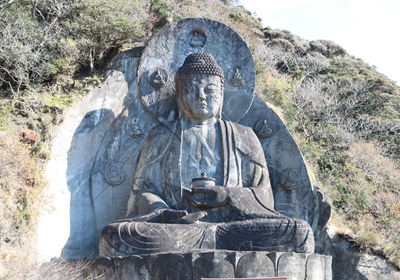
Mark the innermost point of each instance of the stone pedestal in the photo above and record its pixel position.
(216, 264)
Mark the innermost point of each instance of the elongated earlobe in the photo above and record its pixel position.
(178, 101)
(219, 115)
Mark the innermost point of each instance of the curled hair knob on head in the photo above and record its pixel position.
(199, 63)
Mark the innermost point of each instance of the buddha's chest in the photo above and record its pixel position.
(201, 152)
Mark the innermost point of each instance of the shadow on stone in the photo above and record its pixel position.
(213, 265)
(255, 264)
(82, 241)
(104, 269)
(133, 268)
(171, 267)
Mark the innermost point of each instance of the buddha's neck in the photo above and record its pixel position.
(192, 122)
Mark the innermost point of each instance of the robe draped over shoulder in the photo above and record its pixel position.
(158, 183)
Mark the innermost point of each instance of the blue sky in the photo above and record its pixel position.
(367, 29)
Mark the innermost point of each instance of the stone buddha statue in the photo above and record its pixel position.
(167, 212)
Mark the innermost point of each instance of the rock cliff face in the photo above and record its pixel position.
(84, 153)
(348, 260)
(70, 229)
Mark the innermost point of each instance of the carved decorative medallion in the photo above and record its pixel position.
(133, 129)
(236, 77)
(114, 174)
(157, 77)
(289, 179)
(263, 130)
(197, 39)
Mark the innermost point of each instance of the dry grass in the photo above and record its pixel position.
(22, 196)
(57, 269)
(369, 203)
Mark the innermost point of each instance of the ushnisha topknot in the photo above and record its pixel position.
(200, 63)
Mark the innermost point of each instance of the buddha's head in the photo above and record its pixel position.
(199, 87)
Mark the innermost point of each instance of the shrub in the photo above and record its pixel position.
(247, 19)
(317, 46)
(21, 198)
(332, 49)
(282, 44)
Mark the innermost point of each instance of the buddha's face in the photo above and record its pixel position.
(200, 96)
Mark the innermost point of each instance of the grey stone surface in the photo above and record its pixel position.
(323, 211)
(168, 213)
(92, 194)
(317, 267)
(377, 267)
(282, 153)
(350, 262)
(255, 264)
(69, 230)
(292, 266)
(133, 268)
(171, 267)
(217, 264)
(104, 269)
(172, 44)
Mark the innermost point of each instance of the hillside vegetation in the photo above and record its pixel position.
(343, 113)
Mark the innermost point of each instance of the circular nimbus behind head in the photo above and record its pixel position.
(166, 52)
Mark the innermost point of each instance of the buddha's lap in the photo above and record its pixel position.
(254, 234)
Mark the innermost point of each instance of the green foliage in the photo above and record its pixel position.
(317, 46)
(164, 13)
(345, 114)
(247, 19)
(282, 44)
(24, 48)
(346, 117)
(121, 20)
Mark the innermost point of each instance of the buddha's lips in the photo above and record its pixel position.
(202, 105)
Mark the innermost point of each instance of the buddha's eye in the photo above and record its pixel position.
(211, 90)
(189, 89)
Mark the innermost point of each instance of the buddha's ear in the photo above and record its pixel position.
(219, 115)
(178, 101)
(177, 97)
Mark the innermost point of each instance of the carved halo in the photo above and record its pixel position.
(168, 49)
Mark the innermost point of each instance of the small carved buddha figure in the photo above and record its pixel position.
(167, 212)
(237, 80)
(133, 129)
(196, 40)
(158, 78)
(263, 130)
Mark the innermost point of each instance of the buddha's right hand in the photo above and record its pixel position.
(170, 216)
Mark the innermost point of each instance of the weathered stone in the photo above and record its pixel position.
(133, 268)
(167, 50)
(236, 211)
(255, 264)
(213, 265)
(172, 267)
(322, 211)
(104, 269)
(375, 267)
(292, 266)
(115, 138)
(217, 264)
(282, 153)
(317, 266)
(70, 229)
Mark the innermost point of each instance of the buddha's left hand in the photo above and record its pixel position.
(207, 197)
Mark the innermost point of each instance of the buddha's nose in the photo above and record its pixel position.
(200, 94)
